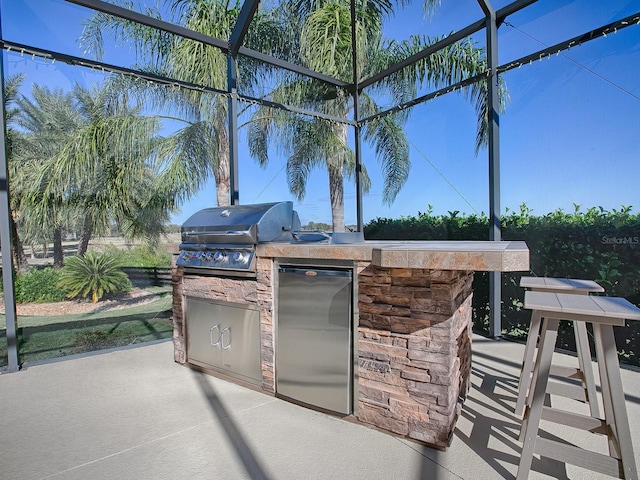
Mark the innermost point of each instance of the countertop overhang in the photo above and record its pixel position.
(509, 256)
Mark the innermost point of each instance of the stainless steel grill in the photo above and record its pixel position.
(223, 239)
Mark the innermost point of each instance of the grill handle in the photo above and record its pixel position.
(218, 232)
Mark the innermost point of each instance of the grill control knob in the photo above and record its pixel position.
(219, 257)
(240, 257)
(187, 256)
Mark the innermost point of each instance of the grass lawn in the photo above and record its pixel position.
(43, 337)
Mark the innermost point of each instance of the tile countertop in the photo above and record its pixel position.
(433, 255)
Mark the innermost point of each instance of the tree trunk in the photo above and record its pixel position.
(336, 184)
(58, 252)
(222, 172)
(87, 232)
(20, 261)
(336, 194)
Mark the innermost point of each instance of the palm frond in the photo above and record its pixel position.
(93, 274)
(147, 42)
(350, 173)
(11, 89)
(258, 133)
(187, 159)
(326, 41)
(453, 64)
(313, 143)
(392, 151)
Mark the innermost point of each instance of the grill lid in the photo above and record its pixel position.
(241, 224)
(224, 238)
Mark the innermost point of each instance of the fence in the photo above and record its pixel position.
(139, 276)
(147, 276)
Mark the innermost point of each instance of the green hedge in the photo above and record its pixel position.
(595, 244)
(39, 286)
(140, 256)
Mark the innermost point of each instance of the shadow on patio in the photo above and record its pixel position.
(133, 414)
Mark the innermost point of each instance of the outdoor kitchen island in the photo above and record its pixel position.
(411, 323)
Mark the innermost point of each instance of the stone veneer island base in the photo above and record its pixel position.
(414, 346)
(412, 323)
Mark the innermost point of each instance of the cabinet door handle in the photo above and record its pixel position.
(222, 332)
(211, 330)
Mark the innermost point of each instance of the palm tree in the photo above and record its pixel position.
(11, 88)
(199, 150)
(324, 39)
(46, 123)
(92, 164)
(106, 171)
(16, 170)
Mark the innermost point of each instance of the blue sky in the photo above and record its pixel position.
(569, 135)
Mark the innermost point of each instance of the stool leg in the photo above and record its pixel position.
(527, 362)
(531, 422)
(615, 408)
(532, 383)
(584, 360)
(606, 393)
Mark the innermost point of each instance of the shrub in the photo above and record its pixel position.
(93, 274)
(39, 286)
(140, 256)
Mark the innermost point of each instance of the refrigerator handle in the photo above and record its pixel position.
(211, 330)
(222, 332)
(313, 272)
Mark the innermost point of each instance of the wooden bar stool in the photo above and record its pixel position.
(584, 372)
(603, 313)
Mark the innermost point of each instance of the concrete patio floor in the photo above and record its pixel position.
(135, 414)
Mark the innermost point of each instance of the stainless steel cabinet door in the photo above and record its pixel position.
(313, 357)
(225, 337)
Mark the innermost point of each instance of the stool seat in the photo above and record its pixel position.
(604, 310)
(584, 372)
(603, 313)
(560, 285)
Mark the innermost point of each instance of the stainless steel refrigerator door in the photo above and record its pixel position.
(313, 358)
(225, 337)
